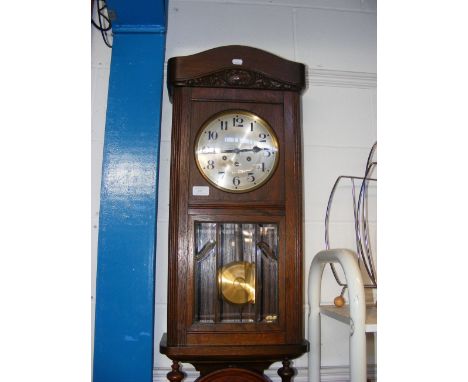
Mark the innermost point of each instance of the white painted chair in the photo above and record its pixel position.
(362, 320)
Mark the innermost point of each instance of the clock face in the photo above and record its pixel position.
(236, 151)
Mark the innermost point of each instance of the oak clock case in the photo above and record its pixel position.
(235, 232)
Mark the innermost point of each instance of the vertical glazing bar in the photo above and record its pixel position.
(217, 296)
(258, 271)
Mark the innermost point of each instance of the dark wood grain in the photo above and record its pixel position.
(201, 86)
(273, 191)
(215, 68)
(233, 352)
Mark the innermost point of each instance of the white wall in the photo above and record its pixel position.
(336, 39)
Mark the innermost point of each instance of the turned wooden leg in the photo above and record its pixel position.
(286, 372)
(175, 375)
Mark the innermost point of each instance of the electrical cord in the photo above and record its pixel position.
(105, 24)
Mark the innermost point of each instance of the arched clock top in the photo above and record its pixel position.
(235, 66)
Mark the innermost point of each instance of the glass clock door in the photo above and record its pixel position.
(236, 272)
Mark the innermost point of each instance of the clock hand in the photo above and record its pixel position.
(255, 149)
(228, 151)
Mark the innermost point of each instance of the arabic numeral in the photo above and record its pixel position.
(236, 181)
(238, 121)
(224, 125)
(262, 137)
(210, 165)
(212, 135)
(251, 177)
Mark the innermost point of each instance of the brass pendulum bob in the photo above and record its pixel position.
(236, 282)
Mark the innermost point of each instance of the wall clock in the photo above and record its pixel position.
(235, 300)
(236, 151)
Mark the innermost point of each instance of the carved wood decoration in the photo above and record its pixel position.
(239, 79)
(215, 68)
(235, 256)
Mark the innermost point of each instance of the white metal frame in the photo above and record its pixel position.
(357, 304)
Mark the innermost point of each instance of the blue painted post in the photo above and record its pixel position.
(123, 350)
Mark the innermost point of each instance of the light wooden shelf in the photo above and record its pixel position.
(342, 315)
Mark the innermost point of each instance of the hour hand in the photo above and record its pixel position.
(255, 149)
